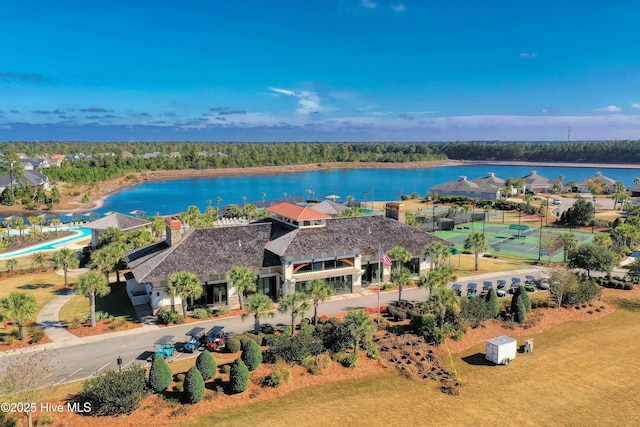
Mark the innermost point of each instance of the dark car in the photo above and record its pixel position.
(215, 339)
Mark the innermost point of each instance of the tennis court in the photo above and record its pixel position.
(509, 239)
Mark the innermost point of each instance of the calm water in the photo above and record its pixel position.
(169, 197)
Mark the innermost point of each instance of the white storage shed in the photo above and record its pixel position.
(501, 350)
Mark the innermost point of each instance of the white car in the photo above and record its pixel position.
(557, 201)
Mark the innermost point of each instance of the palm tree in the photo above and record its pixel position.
(478, 243)
(443, 300)
(250, 211)
(400, 275)
(186, 285)
(38, 259)
(318, 291)
(105, 259)
(636, 180)
(260, 306)
(64, 259)
(437, 252)
(56, 223)
(11, 264)
(296, 304)
(439, 276)
(568, 242)
(360, 327)
(90, 285)
(243, 279)
(20, 308)
(218, 200)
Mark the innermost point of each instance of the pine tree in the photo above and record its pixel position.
(193, 386)
(252, 355)
(159, 375)
(494, 303)
(206, 364)
(238, 376)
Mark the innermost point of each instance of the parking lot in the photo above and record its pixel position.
(504, 286)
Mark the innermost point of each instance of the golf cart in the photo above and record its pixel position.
(486, 287)
(515, 285)
(194, 339)
(214, 341)
(472, 290)
(165, 346)
(543, 283)
(501, 284)
(529, 283)
(457, 288)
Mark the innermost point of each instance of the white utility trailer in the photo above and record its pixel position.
(501, 350)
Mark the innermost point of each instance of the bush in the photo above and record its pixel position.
(233, 345)
(252, 355)
(36, 336)
(167, 317)
(45, 420)
(193, 386)
(280, 374)
(201, 313)
(225, 369)
(628, 286)
(293, 348)
(351, 361)
(221, 310)
(206, 364)
(159, 375)
(115, 392)
(238, 377)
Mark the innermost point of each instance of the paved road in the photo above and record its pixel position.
(82, 358)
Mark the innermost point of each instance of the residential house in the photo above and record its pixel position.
(31, 177)
(295, 245)
(534, 183)
(608, 183)
(114, 219)
(482, 188)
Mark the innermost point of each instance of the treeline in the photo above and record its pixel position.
(101, 161)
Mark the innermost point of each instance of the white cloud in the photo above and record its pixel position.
(398, 7)
(635, 105)
(610, 109)
(368, 4)
(529, 55)
(308, 102)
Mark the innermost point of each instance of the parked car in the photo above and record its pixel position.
(457, 288)
(557, 201)
(215, 339)
(194, 340)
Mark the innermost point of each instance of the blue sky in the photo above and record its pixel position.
(319, 70)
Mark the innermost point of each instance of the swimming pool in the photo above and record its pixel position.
(51, 245)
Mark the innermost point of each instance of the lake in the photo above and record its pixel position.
(170, 197)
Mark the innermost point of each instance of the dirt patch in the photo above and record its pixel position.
(413, 358)
(104, 327)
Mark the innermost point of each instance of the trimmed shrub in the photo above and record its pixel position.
(159, 375)
(280, 375)
(36, 336)
(115, 392)
(193, 386)
(225, 369)
(206, 364)
(351, 361)
(293, 348)
(233, 345)
(252, 355)
(167, 317)
(221, 310)
(201, 313)
(238, 377)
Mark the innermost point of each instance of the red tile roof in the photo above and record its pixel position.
(296, 212)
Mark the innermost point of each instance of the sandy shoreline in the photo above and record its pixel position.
(111, 187)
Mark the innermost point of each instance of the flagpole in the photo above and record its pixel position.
(378, 284)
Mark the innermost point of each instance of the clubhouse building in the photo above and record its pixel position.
(294, 245)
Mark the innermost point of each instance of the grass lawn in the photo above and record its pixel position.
(116, 303)
(42, 286)
(581, 373)
(487, 265)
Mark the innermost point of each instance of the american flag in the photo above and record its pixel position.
(385, 258)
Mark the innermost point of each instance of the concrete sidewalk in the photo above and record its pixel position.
(49, 320)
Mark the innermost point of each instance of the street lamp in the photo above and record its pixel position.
(593, 223)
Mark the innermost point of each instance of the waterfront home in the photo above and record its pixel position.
(481, 188)
(609, 185)
(534, 183)
(294, 245)
(32, 178)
